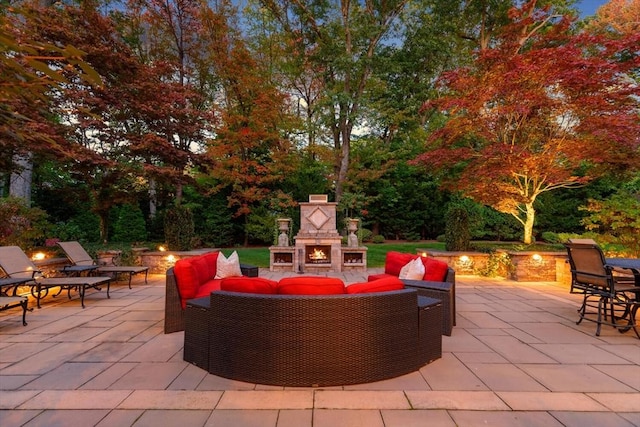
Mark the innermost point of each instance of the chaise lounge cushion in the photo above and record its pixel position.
(311, 285)
(252, 285)
(390, 283)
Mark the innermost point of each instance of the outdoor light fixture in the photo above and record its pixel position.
(38, 256)
(536, 257)
(424, 254)
(465, 259)
(171, 258)
(162, 248)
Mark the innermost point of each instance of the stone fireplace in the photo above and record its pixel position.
(318, 245)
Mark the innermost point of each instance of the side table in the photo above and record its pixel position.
(444, 291)
(196, 332)
(249, 270)
(430, 318)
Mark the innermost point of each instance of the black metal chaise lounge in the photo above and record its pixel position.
(12, 301)
(82, 261)
(17, 265)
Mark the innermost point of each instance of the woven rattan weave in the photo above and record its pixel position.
(297, 340)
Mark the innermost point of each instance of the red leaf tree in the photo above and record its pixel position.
(541, 109)
(250, 152)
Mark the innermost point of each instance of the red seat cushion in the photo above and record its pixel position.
(310, 285)
(251, 285)
(435, 270)
(390, 283)
(208, 287)
(373, 277)
(394, 261)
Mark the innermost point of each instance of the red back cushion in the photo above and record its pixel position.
(211, 263)
(251, 285)
(310, 285)
(390, 283)
(394, 261)
(192, 272)
(435, 270)
(187, 278)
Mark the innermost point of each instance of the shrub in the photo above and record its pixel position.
(20, 225)
(65, 231)
(378, 238)
(179, 228)
(457, 233)
(129, 225)
(366, 235)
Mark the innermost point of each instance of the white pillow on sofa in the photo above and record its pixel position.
(413, 270)
(228, 267)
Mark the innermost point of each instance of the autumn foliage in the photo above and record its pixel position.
(540, 110)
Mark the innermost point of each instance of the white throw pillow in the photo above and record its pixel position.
(414, 270)
(228, 267)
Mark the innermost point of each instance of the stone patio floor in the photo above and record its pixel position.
(516, 358)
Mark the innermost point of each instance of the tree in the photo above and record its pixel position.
(169, 32)
(540, 110)
(249, 153)
(617, 218)
(334, 47)
(122, 131)
(30, 69)
(617, 16)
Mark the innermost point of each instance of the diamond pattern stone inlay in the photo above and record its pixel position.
(318, 218)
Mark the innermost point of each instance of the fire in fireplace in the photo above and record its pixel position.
(318, 254)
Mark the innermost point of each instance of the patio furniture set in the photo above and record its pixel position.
(306, 330)
(81, 274)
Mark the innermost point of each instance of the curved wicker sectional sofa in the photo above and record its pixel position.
(313, 340)
(301, 330)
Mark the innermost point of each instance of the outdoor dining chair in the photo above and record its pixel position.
(603, 291)
(82, 260)
(16, 264)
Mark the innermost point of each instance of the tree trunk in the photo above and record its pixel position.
(343, 169)
(20, 183)
(153, 198)
(104, 226)
(528, 223)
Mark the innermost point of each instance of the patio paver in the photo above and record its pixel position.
(516, 358)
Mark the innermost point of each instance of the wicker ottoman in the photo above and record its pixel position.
(444, 291)
(430, 340)
(196, 332)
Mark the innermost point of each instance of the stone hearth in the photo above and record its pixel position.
(318, 245)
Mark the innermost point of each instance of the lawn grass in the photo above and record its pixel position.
(375, 255)
(377, 252)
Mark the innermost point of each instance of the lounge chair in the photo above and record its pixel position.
(82, 260)
(12, 301)
(17, 265)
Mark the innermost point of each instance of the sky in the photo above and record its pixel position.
(589, 7)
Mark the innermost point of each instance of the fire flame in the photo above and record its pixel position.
(318, 254)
